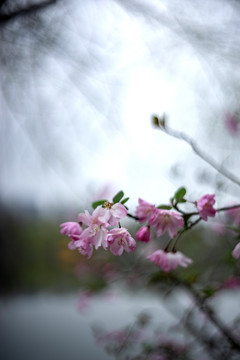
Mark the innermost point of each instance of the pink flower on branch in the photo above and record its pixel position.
(236, 251)
(72, 230)
(205, 206)
(144, 210)
(167, 220)
(168, 261)
(95, 235)
(98, 217)
(114, 213)
(96, 232)
(119, 240)
(232, 282)
(144, 234)
(85, 248)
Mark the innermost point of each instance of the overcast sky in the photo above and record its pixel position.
(80, 82)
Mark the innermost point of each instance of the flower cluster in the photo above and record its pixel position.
(162, 220)
(171, 221)
(93, 230)
(98, 229)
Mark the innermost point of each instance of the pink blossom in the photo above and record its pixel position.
(94, 235)
(236, 251)
(98, 217)
(168, 261)
(144, 210)
(113, 213)
(232, 124)
(72, 230)
(232, 282)
(144, 234)
(96, 232)
(167, 220)
(85, 247)
(119, 240)
(205, 206)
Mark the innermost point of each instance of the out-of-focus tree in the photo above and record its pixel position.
(65, 70)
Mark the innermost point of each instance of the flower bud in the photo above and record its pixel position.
(144, 234)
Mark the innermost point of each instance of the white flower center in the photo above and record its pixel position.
(94, 230)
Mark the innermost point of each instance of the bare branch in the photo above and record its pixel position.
(12, 15)
(182, 136)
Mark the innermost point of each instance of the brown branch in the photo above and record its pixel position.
(133, 217)
(206, 309)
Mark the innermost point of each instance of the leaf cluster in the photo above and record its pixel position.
(119, 197)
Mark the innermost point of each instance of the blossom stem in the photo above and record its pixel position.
(228, 208)
(177, 238)
(179, 210)
(189, 226)
(168, 245)
(133, 217)
(217, 210)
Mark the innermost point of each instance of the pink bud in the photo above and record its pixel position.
(144, 234)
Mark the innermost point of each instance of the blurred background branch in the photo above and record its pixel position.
(10, 11)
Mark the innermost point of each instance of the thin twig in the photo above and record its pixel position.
(217, 210)
(182, 136)
(133, 217)
(206, 309)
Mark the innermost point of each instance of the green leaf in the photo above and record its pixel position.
(190, 278)
(208, 291)
(182, 201)
(124, 200)
(95, 204)
(118, 197)
(180, 193)
(164, 207)
(158, 276)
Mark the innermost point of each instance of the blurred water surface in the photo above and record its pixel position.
(49, 326)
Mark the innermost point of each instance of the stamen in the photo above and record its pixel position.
(108, 205)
